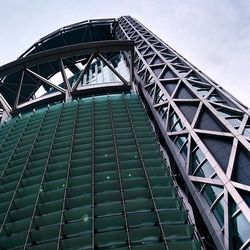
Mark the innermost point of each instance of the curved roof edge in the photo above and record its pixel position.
(92, 30)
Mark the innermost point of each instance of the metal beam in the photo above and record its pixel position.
(64, 76)
(83, 72)
(63, 52)
(62, 90)
(5, 105)
(19, 90)
(112, 69)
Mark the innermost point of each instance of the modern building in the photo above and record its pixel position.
(107, 135)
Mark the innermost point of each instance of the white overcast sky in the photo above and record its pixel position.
(212, 34)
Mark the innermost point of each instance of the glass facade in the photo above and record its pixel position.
(98, 72)
(87, 174)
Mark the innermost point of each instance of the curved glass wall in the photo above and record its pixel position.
(88, 174)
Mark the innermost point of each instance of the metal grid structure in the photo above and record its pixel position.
(206, 129)
(36, 73)
(88, 174)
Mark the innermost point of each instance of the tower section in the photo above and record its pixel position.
(204, 127)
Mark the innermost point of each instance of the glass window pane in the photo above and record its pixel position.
(178, 126)
(234, 122)
(112, 239)
(108, 208)
(173, 232)
(211, 193)
(180, 141)
(80, 227)
(139, 205)
(108, 196)
(196, 158)
(142, 219)
(109, 223)
(184, 151)
(136, 193)
(76, 243)
(205, 170)
(173, 119)
(106, 177)
(79, 213)
(218, 211)
(247, 131)
(106, 186)
(173, 216)
(145, 234)
(131, 173)
(241, 230)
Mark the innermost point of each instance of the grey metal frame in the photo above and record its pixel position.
(147, 77)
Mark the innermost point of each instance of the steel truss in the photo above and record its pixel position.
(198, 119)
(29, 66)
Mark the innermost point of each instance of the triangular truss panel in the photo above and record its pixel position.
(170, 85)
(184, 92)
(156, 60)
(189, 109)
(241, 166)
(167, 74)
(220, 147)
(207, 121)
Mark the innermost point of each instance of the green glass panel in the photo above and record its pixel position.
(144, 234)
(109, 224)
(177, 232)
(112, 239)
(76, 228)
(46, 180)
(76, 243)
(142, 219)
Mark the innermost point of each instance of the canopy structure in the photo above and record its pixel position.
(55, 65)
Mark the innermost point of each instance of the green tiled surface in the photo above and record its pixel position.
(93, 158)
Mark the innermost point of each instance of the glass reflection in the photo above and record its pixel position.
(211, 193)
(197, 158)
(218, 211)
(241, 231)
(98, 72)
(205, 170)
(247, 131)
